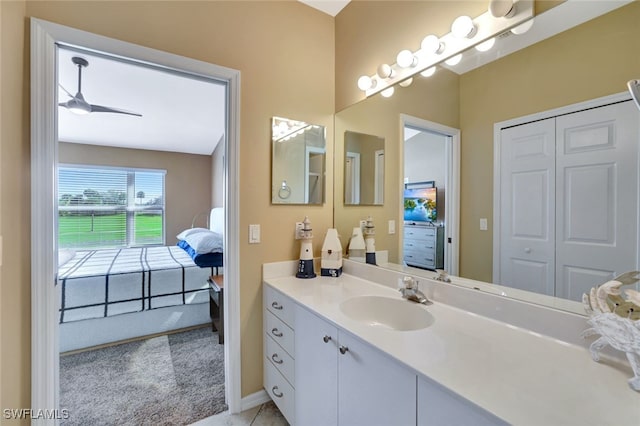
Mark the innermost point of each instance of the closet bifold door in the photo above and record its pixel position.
(527, 206)
(596, 197)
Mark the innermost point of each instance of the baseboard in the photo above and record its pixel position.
(254, 400)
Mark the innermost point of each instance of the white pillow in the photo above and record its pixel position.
(205, 242)
(183, 234)
(65, 255)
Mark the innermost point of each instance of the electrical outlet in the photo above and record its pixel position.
(363, 223)
(299, 228)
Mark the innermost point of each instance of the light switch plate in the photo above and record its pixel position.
(299, 228)
(392, 226)
(254, 234)
(483, 224)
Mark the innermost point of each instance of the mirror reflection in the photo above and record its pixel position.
(569, 68)
(298, 162)
(363, 169)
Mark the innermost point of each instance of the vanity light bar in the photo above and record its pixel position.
(487, 26)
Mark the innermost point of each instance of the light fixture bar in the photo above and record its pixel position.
(487, 26)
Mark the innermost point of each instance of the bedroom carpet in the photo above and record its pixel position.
(173, 379)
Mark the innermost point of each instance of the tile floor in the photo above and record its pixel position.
(264, 415)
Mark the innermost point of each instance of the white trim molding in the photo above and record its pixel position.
(452, 185)
(44, 156)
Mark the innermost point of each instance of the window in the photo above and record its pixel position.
(108, 207)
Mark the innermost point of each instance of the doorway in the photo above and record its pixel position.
(45, 36)
(445, 226)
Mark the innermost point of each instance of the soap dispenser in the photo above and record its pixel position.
(331, 263)
(357, 245)
(370, 242)
(305, 265)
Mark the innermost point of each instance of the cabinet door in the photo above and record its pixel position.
(437, 406)
(373, 389)
(316, 370)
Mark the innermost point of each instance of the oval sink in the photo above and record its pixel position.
(385, 312)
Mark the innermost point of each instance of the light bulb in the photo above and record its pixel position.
(428, 72)
(432, 44)
(406, 83)
(406, 59)
(387, 93)
(384, 71)
(463, 27)
(502, 8)
(454, 60)
(522, 28)
(365, 83)
(486, 45)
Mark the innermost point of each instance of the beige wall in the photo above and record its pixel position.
(381, 117)
(187, 189)
(259, 39)
(593, 60)
(217, 169)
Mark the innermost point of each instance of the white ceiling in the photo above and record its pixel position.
(180, 113)
(330, 7)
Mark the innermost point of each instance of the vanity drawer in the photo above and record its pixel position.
(280, 391)
(278, 304)
(281, 333)
(279, 358)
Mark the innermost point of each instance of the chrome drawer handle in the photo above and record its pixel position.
(277, 306)
(276, 333)
(343, 349)
(276, 359)
(274, 390)
(326, 338)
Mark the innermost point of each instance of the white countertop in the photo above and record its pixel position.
(522, 377)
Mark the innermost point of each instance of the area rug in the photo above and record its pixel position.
(174, 379)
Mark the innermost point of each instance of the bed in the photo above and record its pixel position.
(115, 294)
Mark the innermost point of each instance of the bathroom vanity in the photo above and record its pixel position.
(351, 351)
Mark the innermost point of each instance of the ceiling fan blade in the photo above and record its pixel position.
(66, 91)
(100, 108)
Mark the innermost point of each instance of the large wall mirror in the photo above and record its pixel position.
(298, 162)
(591, 60)
(363, 169)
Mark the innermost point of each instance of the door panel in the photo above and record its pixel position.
(597, 197)
(526, 231)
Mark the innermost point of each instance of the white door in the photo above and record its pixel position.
(527, 207)
(596, 197)
(569, 195)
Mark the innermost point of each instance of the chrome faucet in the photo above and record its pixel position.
(442, 276)
(410, 291)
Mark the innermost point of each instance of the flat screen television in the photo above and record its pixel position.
(420, 205)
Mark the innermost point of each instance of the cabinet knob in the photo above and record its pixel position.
(277, 306)
(343, 349)
(276, 392)
(275, 358)
(326, 338)
(276, 333)
(527, 250)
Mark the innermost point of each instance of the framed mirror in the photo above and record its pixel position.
(363, 169)
(298, 162)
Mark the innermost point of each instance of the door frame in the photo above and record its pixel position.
(452, 185)
(354, 182)
(44, 158)
(497, 146)
(378, 177)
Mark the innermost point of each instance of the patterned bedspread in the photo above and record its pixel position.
(101, 283)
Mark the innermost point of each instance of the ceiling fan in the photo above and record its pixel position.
(77, 103)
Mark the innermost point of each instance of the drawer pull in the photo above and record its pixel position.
(326, 338)
(274, 390)
(343, 349)
(275, 358)
(276, 333)
(277, 306)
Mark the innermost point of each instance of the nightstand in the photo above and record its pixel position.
(216, 305)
